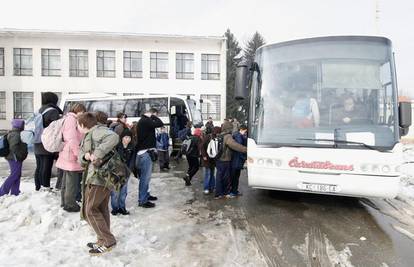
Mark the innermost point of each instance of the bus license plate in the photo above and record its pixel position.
(323, 188)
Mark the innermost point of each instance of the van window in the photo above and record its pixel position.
(116, 107)
(100, 105)
(133, 107)
(161, 104)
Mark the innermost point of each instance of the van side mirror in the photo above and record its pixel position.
(404, 114)
(241, 83)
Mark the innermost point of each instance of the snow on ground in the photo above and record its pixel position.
(180, 231)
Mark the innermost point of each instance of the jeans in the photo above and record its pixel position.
(144, 165)
(234, 176)
(163, 158)
(12, 183)
(222, 177)
(209, 179)
(118, 198)
(43, 171)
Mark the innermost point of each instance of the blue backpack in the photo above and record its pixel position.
(301, 109)
(34, 128)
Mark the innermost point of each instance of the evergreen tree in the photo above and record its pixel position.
(233, 49)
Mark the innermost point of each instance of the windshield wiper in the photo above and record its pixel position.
(336, 141)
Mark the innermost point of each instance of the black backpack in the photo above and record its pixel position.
(4, 146)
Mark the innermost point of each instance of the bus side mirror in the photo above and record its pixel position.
(404, 113)
(241, 83)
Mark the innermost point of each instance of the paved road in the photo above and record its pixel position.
(294, 229)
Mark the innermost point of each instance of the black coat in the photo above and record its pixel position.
(146, 132)
(18, 149)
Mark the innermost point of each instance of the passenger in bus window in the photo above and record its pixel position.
(350, 114)
(305, 111)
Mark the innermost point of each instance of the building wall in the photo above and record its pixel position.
(145, 85)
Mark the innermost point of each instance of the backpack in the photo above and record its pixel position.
(114, 170)
(185, 146)
(34, 128)
(52, 136)
(4, 146)
(302, 108)
(215, 147)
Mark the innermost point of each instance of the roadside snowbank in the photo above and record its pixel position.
(180, 231)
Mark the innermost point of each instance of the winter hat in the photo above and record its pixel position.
(197, 132)
(126, 132)
(18, 124)
(49, 98)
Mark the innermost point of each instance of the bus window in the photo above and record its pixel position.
(133, 107)
(161, 104)
(116, 107)
(100, 105)
(68, 104)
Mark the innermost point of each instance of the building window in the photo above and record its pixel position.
(159, 65)
(132, 64)
(78, 63)
(1, 61)
(211, 106)
(22, 58)
(184, 66)
(23, 105)
(105, 63)
(210, 67)
(50, 62)
(2, 105)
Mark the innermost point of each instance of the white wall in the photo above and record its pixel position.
(145, 85)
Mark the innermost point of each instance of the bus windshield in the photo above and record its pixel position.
(313, 93)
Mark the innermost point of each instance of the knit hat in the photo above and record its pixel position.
(197, 132)
(126, 132)
(18, 124)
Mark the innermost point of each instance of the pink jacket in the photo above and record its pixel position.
(68, 157)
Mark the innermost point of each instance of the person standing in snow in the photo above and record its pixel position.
(163, 142)
(126, 150)
(68, 159)
(15, 158)
(44, 159)
(97, 143)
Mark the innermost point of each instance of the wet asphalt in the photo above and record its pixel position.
(298, 229)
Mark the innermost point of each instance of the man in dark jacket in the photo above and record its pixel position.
(146, 146)
(237, 161)
(44, 159)
(223, 164)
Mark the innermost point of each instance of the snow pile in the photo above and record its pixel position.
(180, 231)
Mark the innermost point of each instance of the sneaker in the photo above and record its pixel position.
(123, 211)
(72, 209)
(186, 178)
(206, 192)
(231, 195)
(115, 212)
(152, 198)
(147, 205)
(99, 250)
(92, 245)
(218, 197)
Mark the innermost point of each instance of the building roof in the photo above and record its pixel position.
(10, 32)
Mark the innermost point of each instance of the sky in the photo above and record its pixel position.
(276, 20)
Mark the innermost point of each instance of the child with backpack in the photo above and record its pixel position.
(98, 142)
(207, 162)
(125, 149)
(68, 159)
(192, 154)
(223, 163)
(17, 154)
(163, 142)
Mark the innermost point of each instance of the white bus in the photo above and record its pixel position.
(173, 110)
(324, 117)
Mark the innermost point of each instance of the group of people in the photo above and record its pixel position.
(87, 140)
